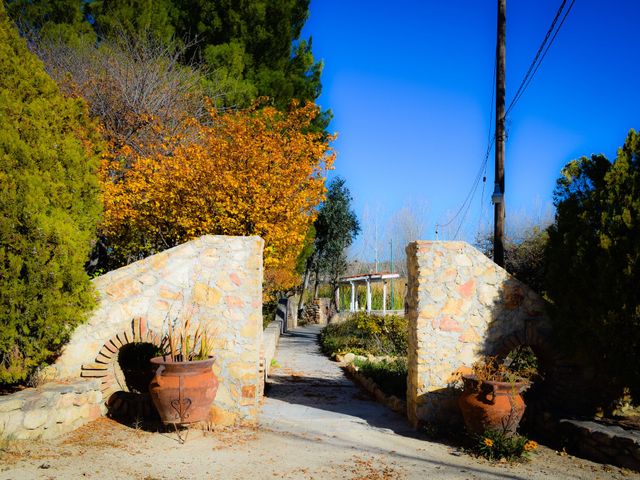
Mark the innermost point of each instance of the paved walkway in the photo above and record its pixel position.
(315, 425)
(310, 393)
(309, 397)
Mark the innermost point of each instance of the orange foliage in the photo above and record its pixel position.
(242, 173)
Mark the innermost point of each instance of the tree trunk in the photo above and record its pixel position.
(336, 296)
(305, 285)
(316, 284)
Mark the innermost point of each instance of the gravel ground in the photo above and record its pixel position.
(315, 424)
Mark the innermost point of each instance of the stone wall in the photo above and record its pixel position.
(50, 410)
(318, 312)
(461, 306)
(214, 280)
(602, 443)
(270, 344)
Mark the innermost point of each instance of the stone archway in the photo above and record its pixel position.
(105, 366)
(216, 281)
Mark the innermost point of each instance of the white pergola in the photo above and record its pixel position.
(368, 279)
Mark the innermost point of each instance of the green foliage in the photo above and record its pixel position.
(49, 209)
(307, 250)
(134, 17)
(495, 445)
(523, 362)
(389, 375)
(365, 334)
(593, 262)
(250, 48)
(63, 19)
(254, 45)
(269, 312)
(336, 227)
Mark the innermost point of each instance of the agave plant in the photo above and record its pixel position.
(180, 345)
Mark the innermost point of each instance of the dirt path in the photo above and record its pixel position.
(315, 424)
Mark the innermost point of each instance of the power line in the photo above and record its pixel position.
(474, 188)
(541, 53)
(549, 46)
(548, 40)
(483, 165)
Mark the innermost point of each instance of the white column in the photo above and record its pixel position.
(368, 295)
(357, 306)
(338, 298)
(352, 306)
(384, 296)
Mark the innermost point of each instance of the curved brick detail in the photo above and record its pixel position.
(216, 281)
(462, 306)
(106, 366)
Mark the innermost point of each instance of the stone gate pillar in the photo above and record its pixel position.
(461, 306)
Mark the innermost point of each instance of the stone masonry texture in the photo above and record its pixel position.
(214, 280)
(49, 410)
(461, 306)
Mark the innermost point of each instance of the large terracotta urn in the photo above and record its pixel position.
(183, 392)
(490, 405)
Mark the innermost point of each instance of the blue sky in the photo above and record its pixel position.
(409, 83)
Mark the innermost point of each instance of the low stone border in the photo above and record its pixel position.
(50, 410)
(603, 443)
(391, 401)
(269, 344)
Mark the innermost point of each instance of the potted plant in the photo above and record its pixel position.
(184, 385)
(491, 399)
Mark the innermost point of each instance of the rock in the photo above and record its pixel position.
(349, 357)
(35, 418)
(67, 416)
(94, 396)
(55, 431)
(9, 403)
(80, 399)
(10, 422)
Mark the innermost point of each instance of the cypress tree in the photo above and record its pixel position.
(48, 210)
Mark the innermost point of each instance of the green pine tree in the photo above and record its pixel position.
(593, 263)
(48, 210)
(336, 227)
(249, 48)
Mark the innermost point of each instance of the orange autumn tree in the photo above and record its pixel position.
(256, 172)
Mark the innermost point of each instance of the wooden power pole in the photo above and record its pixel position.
(498, 193)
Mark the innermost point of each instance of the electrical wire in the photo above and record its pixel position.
(548, 46)
(540, 54)
(483, 165)
(548, 40)
(474, 188)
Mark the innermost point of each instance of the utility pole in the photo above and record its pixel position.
(498, 193)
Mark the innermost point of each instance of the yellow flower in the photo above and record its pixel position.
(489, 443)
(530, 445)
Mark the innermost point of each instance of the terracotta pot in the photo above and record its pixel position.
(488, 405)
(183, 392)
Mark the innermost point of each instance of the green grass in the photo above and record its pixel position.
(390, 376)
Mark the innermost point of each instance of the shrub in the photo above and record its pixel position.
(524, 254)
(389, 375)
(48, 210)
(364, 333)
(494, 445)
